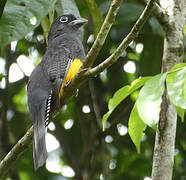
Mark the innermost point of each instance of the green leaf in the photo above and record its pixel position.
(20, 101)
(150, 98)
(181, 113)
(2, 5)
(176, 86)
(95, 15)
(16, 19)
(133, 55)
(1, 76)
(121, 94)
(184, 30)
(45, 24)
(136, 127)
(177, 67)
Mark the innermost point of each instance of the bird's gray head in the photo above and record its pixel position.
(66, 23)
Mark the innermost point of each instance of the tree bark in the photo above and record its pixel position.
(163, 159)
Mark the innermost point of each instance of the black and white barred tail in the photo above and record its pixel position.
(47, 111)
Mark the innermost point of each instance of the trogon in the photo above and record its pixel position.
(61, 62)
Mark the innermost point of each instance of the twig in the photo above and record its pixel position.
(95, 103)
(84, 74)
(100, 40)
(16, 151)
(159, 12)
(4, 134)
(124, 44)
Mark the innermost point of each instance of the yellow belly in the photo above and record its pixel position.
(73, 70)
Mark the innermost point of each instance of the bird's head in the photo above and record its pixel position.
(66, 23)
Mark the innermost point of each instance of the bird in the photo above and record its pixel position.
(62, 60)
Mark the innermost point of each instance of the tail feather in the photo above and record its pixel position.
(39, 143)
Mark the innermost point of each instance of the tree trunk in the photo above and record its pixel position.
(173, 52)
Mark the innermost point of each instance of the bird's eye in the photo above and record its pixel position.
(63, 19)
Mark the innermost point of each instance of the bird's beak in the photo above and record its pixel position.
(79, 21)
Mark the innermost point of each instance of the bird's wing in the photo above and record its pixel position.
(59, 60)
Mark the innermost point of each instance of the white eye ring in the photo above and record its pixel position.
(63, 19)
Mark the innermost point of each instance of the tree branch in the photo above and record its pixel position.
(95, 104)
(16, 151)
(5, 144)
(126, 41)
(100, 40)
(159, 12)
(84, 74)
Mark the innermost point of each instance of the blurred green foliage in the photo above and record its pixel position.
(92, 153)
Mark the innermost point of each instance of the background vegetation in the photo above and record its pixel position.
(83, 146)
